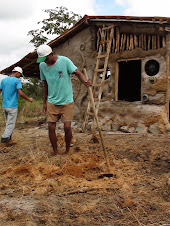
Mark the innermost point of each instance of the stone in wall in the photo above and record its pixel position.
(158, 99)
(160, 83)
(106, 127)
(141, 128)
(124, 129)
(154, 128)
(168, 128)
(114, 128)
(132, 130)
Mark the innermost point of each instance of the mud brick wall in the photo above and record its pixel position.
(150, 114)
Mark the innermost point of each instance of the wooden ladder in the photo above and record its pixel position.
(98, 125)
(105, 43)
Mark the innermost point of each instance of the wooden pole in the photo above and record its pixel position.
(136, 41)
(97, 122)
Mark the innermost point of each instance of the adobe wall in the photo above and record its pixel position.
(148, 115)
(140, 116)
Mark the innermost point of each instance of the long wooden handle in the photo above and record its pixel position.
(97, 122)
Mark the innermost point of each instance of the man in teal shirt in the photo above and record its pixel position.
(11, 88)
(58, 101)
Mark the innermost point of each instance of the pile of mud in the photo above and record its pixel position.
(38, 188)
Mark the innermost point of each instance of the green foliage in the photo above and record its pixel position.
(34, 109)
(25, 108)
(33, 88)
(59, 20)
(38, 37)
(21, 103)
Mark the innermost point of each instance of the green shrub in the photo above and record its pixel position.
(30, 110)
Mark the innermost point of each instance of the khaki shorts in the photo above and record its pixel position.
(55, 112)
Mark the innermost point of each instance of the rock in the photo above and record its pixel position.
(168, 182)
(168, 128)
(124, 129)
(141, 128)
(73, 123)
(106, 127)
(60, 125)
(114, 128)
(131, 130)
(154, 128)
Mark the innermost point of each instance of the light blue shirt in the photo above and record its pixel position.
(58, 79)
(9, 87)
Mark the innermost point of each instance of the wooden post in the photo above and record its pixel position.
(117, 40)
(144, 41)
(113, 46)
(158, 42)
(140, 41)
(121, 45)
(127, 42)
(124, 42)
(97, 122)
(131, 42)
(136, 41)
(163, 42)
(149, 42)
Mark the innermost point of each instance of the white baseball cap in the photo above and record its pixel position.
(18, 69)
(43, 51)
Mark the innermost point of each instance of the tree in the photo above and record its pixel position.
(33, 88)
(59, 20)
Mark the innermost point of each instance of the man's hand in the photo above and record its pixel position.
(82, 78)
(31, 99)
(88, 83)
(22, 94)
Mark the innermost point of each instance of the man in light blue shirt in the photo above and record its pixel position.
(58, 101)
(11, 88)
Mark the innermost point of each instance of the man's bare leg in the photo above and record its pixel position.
(52, 136)
(68, 135)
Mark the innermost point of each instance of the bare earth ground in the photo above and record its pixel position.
(39, 189)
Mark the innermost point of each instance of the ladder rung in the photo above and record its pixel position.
(90, 113)
(102, 56)
(100, 70)
(96, 99)
(96, 85)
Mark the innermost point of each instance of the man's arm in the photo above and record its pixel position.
(45, 94)
(81, 77)
(22, 94)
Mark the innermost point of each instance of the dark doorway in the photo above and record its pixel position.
(129, 85)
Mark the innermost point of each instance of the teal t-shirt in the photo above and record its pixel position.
(59, 81)
(9, 87)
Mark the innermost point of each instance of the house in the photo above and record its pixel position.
(136, 91)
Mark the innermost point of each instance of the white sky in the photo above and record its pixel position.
(17, 17)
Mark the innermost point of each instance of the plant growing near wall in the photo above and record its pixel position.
(58, 21)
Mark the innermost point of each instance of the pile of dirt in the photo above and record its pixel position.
(40, 189)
